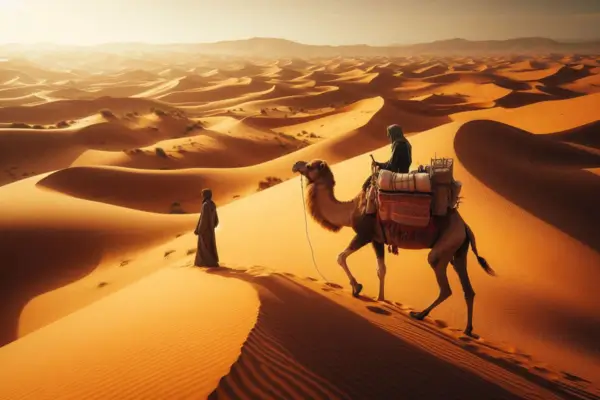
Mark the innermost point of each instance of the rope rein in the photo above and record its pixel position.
(312, 251)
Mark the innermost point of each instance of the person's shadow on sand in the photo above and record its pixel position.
(306, 346)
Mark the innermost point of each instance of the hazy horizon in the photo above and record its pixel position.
(316, 22)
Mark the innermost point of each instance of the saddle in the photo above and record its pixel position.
(406, 203)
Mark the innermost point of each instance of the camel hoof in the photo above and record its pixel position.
(356, 289)
(417, 315)
(469, 333)
(380, 298)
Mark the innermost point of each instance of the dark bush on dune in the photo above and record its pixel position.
(268, 182)
(161, 152)
(20, 125)
(160, 113)
(107, 114)
(62, 124)
(176, 208)
(193, 127)
(38, 127)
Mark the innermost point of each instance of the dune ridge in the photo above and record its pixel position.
(103, 155)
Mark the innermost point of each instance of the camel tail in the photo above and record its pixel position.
(482, 261)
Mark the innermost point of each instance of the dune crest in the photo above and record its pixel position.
(104, 152)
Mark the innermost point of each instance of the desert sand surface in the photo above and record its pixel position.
(102, 162)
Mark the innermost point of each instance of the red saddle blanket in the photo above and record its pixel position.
(410, 237)
(405, 209)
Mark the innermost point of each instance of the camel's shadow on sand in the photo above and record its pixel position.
(301, 333)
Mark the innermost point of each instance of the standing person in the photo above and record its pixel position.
(207, 255)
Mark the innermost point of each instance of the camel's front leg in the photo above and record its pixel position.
(381, 268)
(439, 268)
(356, 244)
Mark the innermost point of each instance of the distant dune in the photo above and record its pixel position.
(104, 152)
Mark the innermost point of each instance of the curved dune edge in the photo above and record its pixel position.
(537, 304)
(58, 252)
(541, 175)
(248, 333)
(171, 335)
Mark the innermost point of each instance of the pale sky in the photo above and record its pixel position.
(374, 22)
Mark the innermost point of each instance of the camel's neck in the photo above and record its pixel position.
(327, 210)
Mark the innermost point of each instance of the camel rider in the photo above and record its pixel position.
(401, 157)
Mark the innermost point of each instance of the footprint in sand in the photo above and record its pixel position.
(168, 252)
(334, 285)
(124, 263)
(379, 310)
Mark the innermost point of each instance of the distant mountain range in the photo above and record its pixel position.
(273, 47)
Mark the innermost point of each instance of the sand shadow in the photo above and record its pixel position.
(306, 346)
(379, 310)
(49, 263)
(537, 173)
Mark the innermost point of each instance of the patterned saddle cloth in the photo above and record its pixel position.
(410, 237)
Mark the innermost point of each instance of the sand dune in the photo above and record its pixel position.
(99, 153)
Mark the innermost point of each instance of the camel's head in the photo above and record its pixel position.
(314, 171)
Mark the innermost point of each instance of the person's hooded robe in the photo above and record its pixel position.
(401, 157)
(207, 255)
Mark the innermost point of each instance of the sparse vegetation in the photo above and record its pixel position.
(124, 263)
(194, 126)
(107, 114)
(102, 284)
(176, 208)
(169, 252)
(20, 125)
(191, 251)
(63, 124)
(161, 152)
(38, 127)
(263, 111)
(160, 112)
(268, 182)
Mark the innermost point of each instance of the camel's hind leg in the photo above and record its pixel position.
(381, 268)
(356, 244)
(439, 267)
(460, 266)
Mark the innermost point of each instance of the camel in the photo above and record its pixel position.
(450, 246)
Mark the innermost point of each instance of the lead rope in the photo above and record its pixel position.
(312, 251)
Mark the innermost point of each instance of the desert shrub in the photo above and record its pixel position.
(62, 124)
(268, 182)
(20, 125)
(193, 127)
(38, 127)
(176, 208)
(161, 152)
(263, 111)
(169, 252)
(107, 114)
(160, 112)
